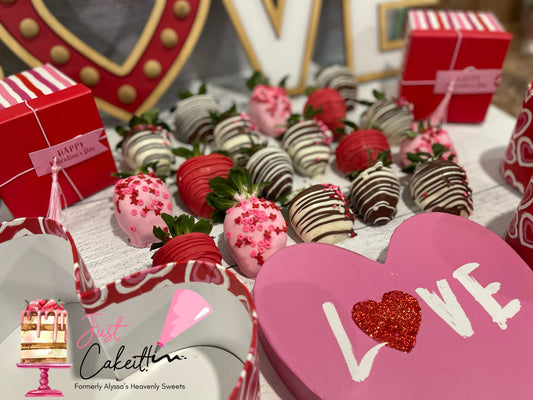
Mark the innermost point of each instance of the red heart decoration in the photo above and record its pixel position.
(395, 320)
(173, 27)
(525, 152)
(522, 122)
(526, 230)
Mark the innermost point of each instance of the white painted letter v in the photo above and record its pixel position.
(359, 372)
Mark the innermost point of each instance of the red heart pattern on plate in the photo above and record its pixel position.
(456, 269)
(395, 320)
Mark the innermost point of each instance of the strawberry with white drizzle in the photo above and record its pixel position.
(269, 106)
(139, 201)
(254, 228)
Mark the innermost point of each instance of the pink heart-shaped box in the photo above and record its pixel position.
(304, 296)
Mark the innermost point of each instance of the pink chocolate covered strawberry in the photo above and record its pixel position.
(139, 201)
(184, 240)
(254, 228)
(269, 106)
(193, 177)
(422, 140)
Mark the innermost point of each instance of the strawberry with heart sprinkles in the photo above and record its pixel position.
(254, 227)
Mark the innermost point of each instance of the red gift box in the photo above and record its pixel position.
(456, 52)
(44, 114)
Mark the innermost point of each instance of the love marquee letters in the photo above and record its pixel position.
(445, 306)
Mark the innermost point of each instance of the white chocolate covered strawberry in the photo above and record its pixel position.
(139, 201)
(254, 228)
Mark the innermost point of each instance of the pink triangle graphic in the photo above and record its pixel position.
(186, 309)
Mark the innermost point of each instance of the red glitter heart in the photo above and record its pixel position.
(395, 320)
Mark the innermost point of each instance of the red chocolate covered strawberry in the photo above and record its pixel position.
(254, 228)
(331, 106)
(359, 150)
(184, 240)
(193, 175)
(269, 106)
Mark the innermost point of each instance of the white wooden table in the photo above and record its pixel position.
(480, 148)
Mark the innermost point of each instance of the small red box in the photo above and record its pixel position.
(44, 114)
(457, 51)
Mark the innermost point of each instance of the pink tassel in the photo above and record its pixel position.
(56, 194)
(438, 116)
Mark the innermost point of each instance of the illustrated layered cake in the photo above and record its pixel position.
(43, 333)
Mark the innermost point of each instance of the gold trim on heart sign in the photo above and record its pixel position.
(93, 55)
(275, 12)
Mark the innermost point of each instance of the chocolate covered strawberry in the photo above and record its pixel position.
(391, 116)
(146, 140)
(254, 227)
(269, 106)
(438, 184)
(359, 149)
(192, 117)
(331, 107)
(139, 200)
(234, 132)
(272, 165)
(375, 191)
(321, 213)
(308, 143)
(193, 175)
(184, 240)
(341, 79)
(422, 139)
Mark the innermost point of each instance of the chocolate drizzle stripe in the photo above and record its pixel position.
(42, 346)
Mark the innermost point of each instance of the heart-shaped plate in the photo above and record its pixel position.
(32, 32)
(475, 316)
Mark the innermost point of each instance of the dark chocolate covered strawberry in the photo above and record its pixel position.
(184, 240)
(193, 175)
(375, 191)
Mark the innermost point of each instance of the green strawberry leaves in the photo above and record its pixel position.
(437, 151)
(185, 94)
(177, 226)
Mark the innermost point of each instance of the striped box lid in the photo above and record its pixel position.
(420, 19)
(30, 84)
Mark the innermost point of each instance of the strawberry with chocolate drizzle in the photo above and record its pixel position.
(234, 132)
(308, 143)
(438, 184)
(146, 140)
(254, 227)
(375, 191)
(193, 175)
(269, 106)
(184, 240)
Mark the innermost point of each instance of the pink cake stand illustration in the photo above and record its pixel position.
(44, 390)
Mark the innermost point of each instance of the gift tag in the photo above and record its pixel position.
(448, 315)
(33, 33)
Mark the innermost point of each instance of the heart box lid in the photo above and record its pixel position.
(448, 315)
